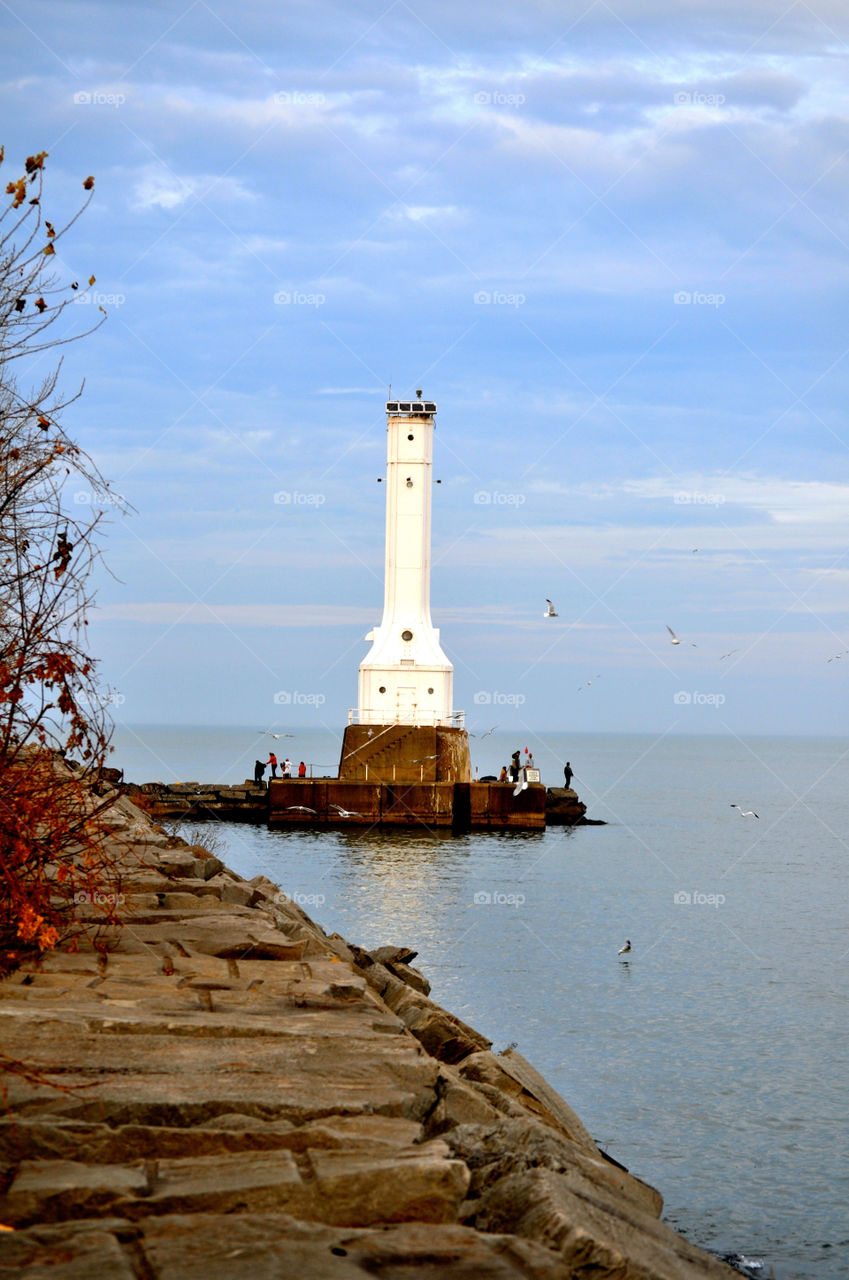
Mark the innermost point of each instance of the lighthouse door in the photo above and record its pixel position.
(405, 706)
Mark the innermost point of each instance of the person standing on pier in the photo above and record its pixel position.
(567, 774)
(287, 768)
(259, 770)
(272, 760)
(302, 770)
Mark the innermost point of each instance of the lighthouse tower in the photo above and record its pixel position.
(405, 728)
(406, 678)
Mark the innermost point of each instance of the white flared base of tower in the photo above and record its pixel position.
(397, 688)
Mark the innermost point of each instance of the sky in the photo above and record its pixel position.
(609, 239)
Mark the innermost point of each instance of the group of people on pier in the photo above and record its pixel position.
(260, 767)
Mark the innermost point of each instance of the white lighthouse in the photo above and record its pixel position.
(406, 679)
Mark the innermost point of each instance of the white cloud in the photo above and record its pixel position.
(174, 612)
(427, 212)
(814, 502)
(156, 187)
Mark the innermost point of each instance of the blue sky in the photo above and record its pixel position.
(610, 240)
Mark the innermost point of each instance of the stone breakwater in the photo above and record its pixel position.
(233, 1094)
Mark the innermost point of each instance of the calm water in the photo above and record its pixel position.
(714, 1061)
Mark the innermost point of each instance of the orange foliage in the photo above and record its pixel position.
(55, 864)
(53, 857)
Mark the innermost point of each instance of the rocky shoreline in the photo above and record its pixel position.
(232, 1093)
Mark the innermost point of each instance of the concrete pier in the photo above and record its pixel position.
(463, 806)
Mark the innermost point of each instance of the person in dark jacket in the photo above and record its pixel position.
(259, 772)
(567, 774)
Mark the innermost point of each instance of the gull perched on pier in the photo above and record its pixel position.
(745, 813)
(550, 612)
(346, 813)
(623, 951)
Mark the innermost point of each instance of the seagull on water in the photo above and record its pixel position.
(745, 813)
(346, 813)
(623, 951)
(301, 808)
(550, 612)
(675, 639)
(275, 735)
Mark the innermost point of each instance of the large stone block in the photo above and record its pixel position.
(360, 1189)
(606, 1237)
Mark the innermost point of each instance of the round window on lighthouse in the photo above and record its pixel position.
(382, 689)
(406, 635)
(409, 437)
(430, 690)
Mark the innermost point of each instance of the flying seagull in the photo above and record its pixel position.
(421, 759)
(522, 783)
(550, 612)
(587, 684)
(301, 808)
(623, 951)
(346, 813)
(675, 639)
(745, 813)
(728, 654)
(275, 735)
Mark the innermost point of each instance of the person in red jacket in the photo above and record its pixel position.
(272, 760)
(302, 770)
